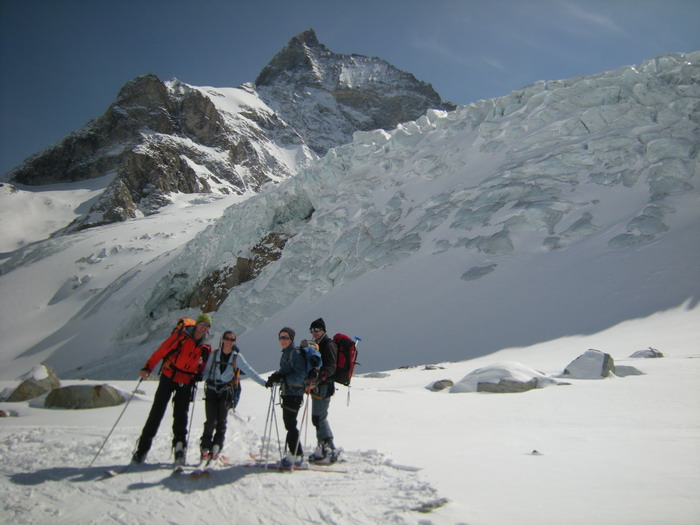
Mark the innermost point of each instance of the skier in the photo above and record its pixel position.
(292, 372)
(222, 391)
(184, 356)
(323, 388)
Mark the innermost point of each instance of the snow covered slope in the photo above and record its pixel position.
(610, 452)
(564, 208)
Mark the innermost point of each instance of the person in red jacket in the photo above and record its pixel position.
(184, 355)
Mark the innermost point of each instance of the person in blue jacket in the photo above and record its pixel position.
(295, 363)
(222, 392)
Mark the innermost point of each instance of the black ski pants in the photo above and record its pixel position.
(181, 395)
(216, 407)
(290, 411)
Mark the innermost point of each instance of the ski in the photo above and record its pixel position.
(113, 472)
(203, 469)
(273, 465)
(293, 468)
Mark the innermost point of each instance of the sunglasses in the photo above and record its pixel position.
(315, 330)
(205, 324)
(229, 339)
(285, 338)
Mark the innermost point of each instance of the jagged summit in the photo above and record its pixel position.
(328, 96)
(295, 56)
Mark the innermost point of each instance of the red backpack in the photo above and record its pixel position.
(347, 358)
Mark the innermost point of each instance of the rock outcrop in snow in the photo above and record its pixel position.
(503, 378)
(76, 397)
(592, 364)
(40, 380)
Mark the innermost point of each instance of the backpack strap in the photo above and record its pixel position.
(174, 351)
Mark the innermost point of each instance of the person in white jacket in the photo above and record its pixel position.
(222, 392)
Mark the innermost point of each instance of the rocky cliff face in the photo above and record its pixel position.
(159, 138)
(328, 96)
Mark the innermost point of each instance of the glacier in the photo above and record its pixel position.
(555, 172)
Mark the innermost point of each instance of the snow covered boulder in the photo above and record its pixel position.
(442, 384)
(649, 353)
(593, 364)
(83, 396)
(38, 381)
(624, 371)
(507, 377)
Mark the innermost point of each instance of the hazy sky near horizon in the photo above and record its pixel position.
(64, 61)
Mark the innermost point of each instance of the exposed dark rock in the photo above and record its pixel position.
(83, 396)
(442, 384)
(32, 387)
(214, 288)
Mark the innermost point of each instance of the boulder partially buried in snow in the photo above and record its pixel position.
(593, 364)
(442, 384)
(649, 353)
(83, 396)
(38, 381)
(507, 377)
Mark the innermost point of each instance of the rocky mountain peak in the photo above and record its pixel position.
(328, 96)
(296, 59)
(159, 138)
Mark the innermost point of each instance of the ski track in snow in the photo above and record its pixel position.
(40, 482)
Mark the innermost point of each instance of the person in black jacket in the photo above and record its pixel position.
(323, 389)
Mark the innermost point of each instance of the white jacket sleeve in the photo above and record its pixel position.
(248, 370)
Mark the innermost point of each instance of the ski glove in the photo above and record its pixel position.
(275, 377)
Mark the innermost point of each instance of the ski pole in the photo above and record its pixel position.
(265, 449)
(193, 400)
(277, 431)
(117, 422)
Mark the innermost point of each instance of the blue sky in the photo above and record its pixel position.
(64, 61)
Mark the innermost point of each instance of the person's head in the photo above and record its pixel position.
(202, 326)
(318, 329)
(286, 337)
(228, 339)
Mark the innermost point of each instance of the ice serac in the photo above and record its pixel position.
(605, 164)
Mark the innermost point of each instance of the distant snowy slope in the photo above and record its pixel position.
(563, 208)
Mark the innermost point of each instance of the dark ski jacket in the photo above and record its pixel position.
(329, 358)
